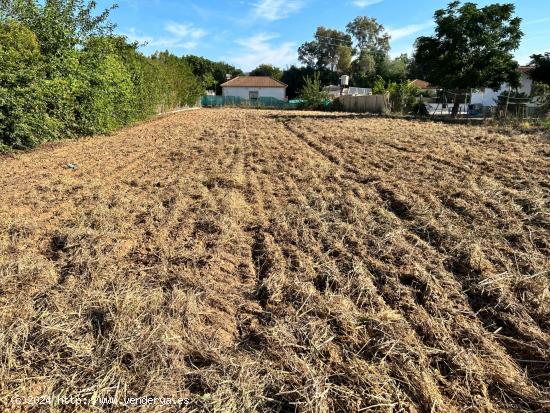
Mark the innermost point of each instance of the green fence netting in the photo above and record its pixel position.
(263, 102)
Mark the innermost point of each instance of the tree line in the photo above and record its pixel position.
(471, 49)
(63, 74)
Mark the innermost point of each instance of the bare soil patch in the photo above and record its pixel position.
(280, 261)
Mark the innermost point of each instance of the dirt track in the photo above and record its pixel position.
(280, 261)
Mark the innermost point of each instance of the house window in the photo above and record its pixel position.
(253, 95)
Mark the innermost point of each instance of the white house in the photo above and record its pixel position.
(254, 87)
(488, 97)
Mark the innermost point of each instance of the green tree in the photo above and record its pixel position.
(369, 35)
(402, 96)
(323, 51)
(294, 77)
(379, 87)
(471, 48)
(394, 70)
(106, 95)
(345, 55)
(267, 70)
(60, 25)
(541, 68)
(62, 73)
(366, 64)
(211, 73)
(312, 92)
(23, 118)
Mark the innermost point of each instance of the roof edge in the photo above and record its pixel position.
(226, 84)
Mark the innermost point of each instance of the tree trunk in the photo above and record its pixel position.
(456, 105)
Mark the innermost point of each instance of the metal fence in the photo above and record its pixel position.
(262, 102)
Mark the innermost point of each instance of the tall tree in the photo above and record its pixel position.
(369, 35)
(59, 25)
(312, 92)
(322, 52)
(471, 48)
(394, 70)
(267, 70)
(366, 64)
(294, 77)
(212, 74)
(345, 54)
(541, 68)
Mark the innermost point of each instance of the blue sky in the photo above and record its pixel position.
(246, 33)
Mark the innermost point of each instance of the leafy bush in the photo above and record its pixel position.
(105, 94)
(403, 96)
(63, 74)
(379, 87)
(312, 92)
(23, 117)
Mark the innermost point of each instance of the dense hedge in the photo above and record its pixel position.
(60, 77)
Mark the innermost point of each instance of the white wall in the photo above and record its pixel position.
(488, 97)
(243, 92)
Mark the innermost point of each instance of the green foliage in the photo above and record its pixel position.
(323, 51)
(541, 95)
(367, 40)
(212, 74)
(60, 25)
(394, 69)
(23, 117)
(312, 92)
(471, 48)
(105, 95)
(294, 77)
(369, 35)
(402, 96)
(267, 70)
(63, 74)
(379, 87)
(345, 55)
(541, 68)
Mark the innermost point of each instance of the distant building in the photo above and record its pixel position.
(480, 101)
(488, 97)
(254, 87)
(423, 85)
(333, 91)
(336, 91)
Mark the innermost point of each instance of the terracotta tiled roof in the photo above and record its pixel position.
(253, 81)
(525, 69)
(422, 84)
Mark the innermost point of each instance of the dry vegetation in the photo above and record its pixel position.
(278, 261)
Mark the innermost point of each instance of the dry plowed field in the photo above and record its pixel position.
(262, 261)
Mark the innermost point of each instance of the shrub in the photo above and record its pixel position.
(312, 92)
(402, 96)
(105, 96)
(379, 87)
(63, 74)
(23, 116)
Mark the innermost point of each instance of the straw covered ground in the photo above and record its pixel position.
(263, 261)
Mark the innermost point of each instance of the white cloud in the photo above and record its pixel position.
(406, 31)
(366, 3)
(537, 21)
(258, 49)
(185, 30)
(272, 10)
(182, 36)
